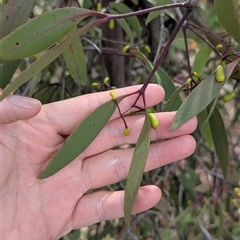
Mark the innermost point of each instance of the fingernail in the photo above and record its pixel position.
(21, 101)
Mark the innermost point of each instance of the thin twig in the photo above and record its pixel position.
(162, 29)
(205, 231)
(148, 10)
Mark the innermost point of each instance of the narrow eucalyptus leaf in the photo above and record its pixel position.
(211, 107)
(174, 102)
(220, 141)
(156, 14)
(75, 61)
(15, 13)
(43, 61)
(7, 71)
(201, 97)
(136, 169)
(201, 59)
(228, 15)
(81, 138)
(167, 84)
(205, 127)
(40, 33)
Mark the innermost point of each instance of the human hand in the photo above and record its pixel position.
(50, 208)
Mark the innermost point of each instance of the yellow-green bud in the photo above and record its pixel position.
(221, 62)
(113, 95)
(111, 24)
(219, 47)
(220, 75)
(36, 56)
(94, 84)
(126, 131)
(195, 74)
(126, 48)
(99, 7)
(228, 97)
(153, 120)
(188, 82)
(106, 80)
(147, 49)
(236, 190)
(151, 110)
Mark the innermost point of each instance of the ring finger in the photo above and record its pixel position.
(116, 163)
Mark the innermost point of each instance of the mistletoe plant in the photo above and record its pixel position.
(57, 32)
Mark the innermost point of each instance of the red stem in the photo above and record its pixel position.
(164, 53)
(140, 12)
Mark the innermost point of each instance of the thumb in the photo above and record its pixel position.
(15, 107)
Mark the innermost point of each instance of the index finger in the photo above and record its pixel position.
(66, 115)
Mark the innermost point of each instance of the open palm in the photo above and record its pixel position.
(47, 209)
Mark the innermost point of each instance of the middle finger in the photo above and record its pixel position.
(112, 134)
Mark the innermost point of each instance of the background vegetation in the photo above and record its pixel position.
(197, 202)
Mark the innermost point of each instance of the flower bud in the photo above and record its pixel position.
(147, 49)
(126, 131)
(219, 47)
(94, 84)
(220, 75)
(188, 82)
(195, 74)
(113, 95)
(228, 97)
(153, 120)
(99, 7)
(125, 48)
(111, 24)
(106, 80)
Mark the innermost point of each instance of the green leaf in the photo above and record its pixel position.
(34, 82)
(201, 59)
(175, 101)
(205, 127)
(179, 43)
(220, 141)
(43, 61)
(75, 61)
(40, 33)
(167, 83)
(132, 21)
(7, 71)
(15, 13)
(214, 39)
(228, 13)
(187, 183)
(211, 107)
(149, 65)
(124, 25)
(136, 169)
(134, 2)
(155, 14)
(201, 97)
(81, 138)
